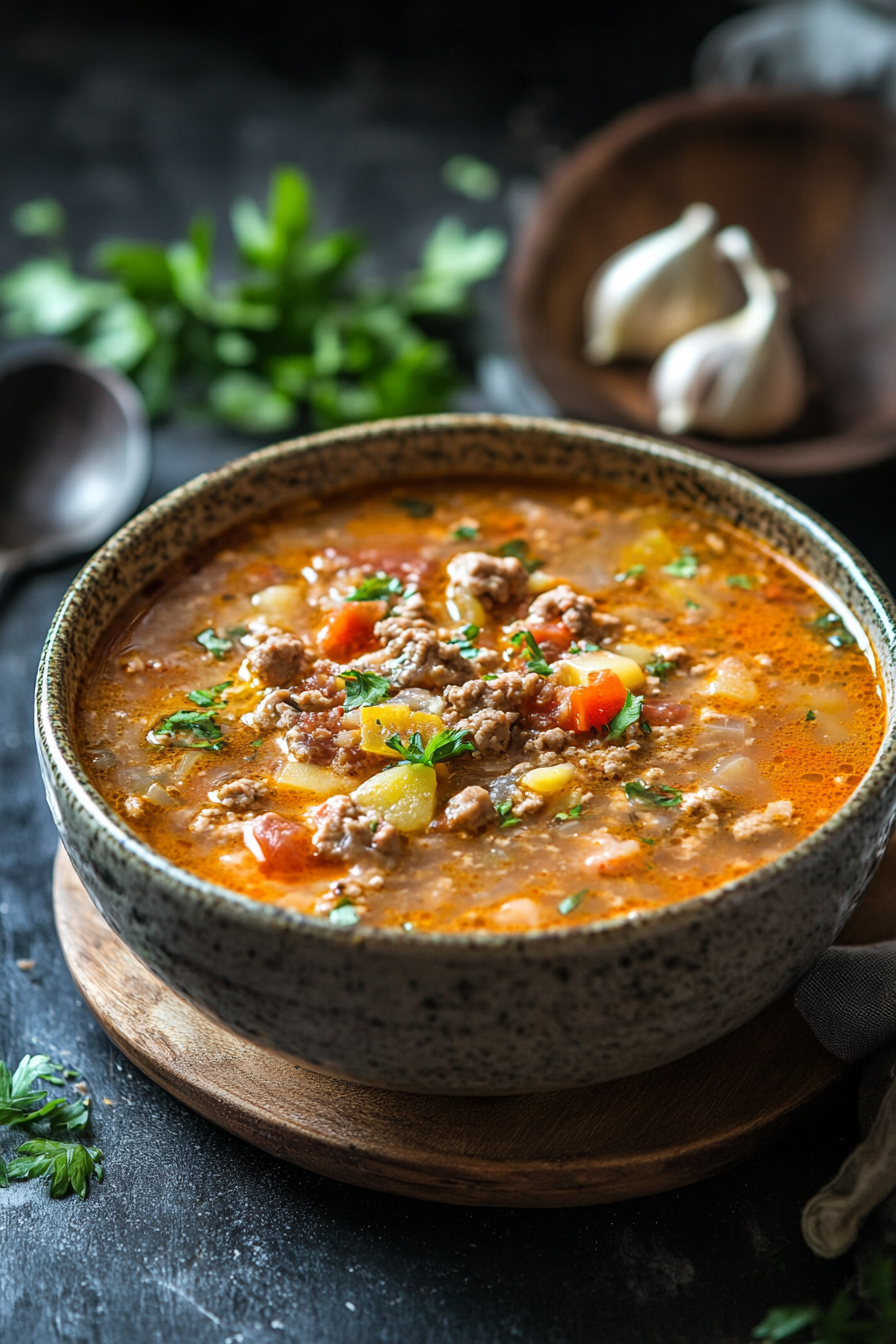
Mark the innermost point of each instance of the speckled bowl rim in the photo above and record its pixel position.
(54, 730)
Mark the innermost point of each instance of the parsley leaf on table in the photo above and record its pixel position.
(363, 688)
(67, 1166)
(297, 332)
(21, 1105)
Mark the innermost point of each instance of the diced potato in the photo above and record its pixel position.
(380, 722)
(549, 778)
(281, 604)
(312, 779)
(653, 547)
(464, 607)
(732, 680)
(639, 653)
(161, 797)
(405, 795)
(610, 855)
(740, 775)
(577, 670)
(540, 581)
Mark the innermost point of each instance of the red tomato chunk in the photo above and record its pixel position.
(594, 705)
(349, 630)
(278, 843)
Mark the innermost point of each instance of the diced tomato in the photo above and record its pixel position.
(594, 705)
(281, 845)
(773, 592)
(549, 709)
(660, 712)
(557, 635)
(348, 630)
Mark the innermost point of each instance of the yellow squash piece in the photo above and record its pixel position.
(312, 779)
(380, 722)
(405, 795)
(579, 669)
(548, 778)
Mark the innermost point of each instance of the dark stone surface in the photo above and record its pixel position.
(194, 1235)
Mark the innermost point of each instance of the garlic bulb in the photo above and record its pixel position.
(658, 288)
(742, 377)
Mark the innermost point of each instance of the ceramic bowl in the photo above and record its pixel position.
(812, 178)
(483, 1013)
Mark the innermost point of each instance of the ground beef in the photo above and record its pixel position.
(319, 739)
(278, 660)
(319, 691)
(239, 794)
(703, 802)
(763, 821)
(391, 626)
(564, 606)
(470, 810)
(551, 740)
(489, 730)
(526, 804)
(495, 580)
(422, 659)
(345, 831)
(274, 712)
(219, 820)
(411, 608)
(508, 691)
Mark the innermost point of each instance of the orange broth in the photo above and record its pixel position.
(689, 702)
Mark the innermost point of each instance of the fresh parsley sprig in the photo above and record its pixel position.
(685, 566)
(214, 644)
(21, 1105)
(191, 729)
(629, 713)
(660, 667)
(363, 688)
(210, 696)
(636, 791)
(464, 641)
(532, 653)
(870, 1320)
(519, 549)
(66, 1163)
(66, 1166)
(296, 333)
(379, 587)
(444, 746)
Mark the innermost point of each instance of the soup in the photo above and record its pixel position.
(480, 707)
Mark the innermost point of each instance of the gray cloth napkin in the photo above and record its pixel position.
(848, 999)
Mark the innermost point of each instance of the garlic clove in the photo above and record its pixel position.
(658, 288)
(741, 377)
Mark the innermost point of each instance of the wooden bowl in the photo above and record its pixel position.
(812, 178)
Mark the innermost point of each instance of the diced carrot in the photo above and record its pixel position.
(281, 845)
(594, 705)
(348, 630)
(557, 635)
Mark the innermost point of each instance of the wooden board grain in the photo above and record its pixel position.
(635, 1136)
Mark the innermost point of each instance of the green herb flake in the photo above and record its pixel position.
(629, 713)
(377, 587)
(866, 1313)
(572, 815)
(257, 743)
(237, 632)
(66, 1166)
(633, 572)
(213, 644)
(471, 177)
(684, 567)
(444, 746)
(570, 903)
(660, 667)
(810, 716)
(518, 549)
(532, 653)
(464, 533)
(646, 840)
(742, 581)
(363, 688)
(210, 696)
(489, 676)
(831, 621)
(22, 1105)
(636, 791)
(416, 508)
(584, 647)
(344, 913)
(464, 641)
(692, 606)
(200, 725)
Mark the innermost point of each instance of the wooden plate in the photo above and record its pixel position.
(636, 1136)
(812, 178)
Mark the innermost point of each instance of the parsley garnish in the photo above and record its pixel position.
(629, 713)
(740, 581)
(585, 647)
(237, 631)
(211, 696)
(502, 810)
(570, 903)
(692, 606)
(841, 638)
(464, 533)
(363, 688)
(464, 641)
(217, 647)
(660, 667)
(67, 1166)
(572, 815)
(489, 676)
(197, 723)
(21, 1105)
(377, 588)
(633, 572)
(518, 549)
(344, 913)
(661, 796)
(810, 716)
(442, 747)
(532, 654)
(416, 508)
(685, 567)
